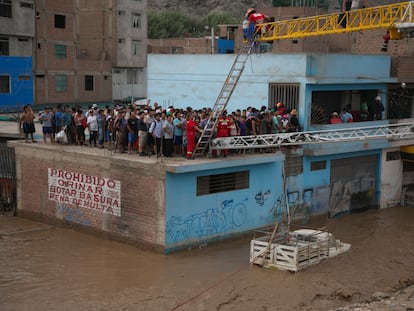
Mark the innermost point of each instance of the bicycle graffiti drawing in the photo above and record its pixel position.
(213, 221)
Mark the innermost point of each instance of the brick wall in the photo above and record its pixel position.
(180, 46)
(142, 191)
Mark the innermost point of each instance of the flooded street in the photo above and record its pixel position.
(50, 268)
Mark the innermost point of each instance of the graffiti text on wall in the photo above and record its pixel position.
(91, 192)
(74, 215)
(213, 221)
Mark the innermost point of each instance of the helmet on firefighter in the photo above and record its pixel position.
(250, 11)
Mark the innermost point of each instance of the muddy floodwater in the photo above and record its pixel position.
(50, 268)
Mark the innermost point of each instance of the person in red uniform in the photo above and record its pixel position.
(223, 129)
(256, 18)
(192, 129)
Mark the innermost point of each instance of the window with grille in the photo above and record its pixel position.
(60, 51)
(5, 84)
(318, 165)
(136, 21)
(88, 83)
(286, 93)
(26, 5)
(293, 165)
(60, 21)
(132, 76)
(137, 47)
(4, 46)
(222, 182)
(24, 77)
(61, 83)
(393, 156)
(6, 8)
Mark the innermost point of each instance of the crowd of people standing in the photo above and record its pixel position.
(153, 130)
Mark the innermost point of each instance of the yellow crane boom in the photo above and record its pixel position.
(398, 18)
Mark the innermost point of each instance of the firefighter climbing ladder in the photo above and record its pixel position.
(389, 131)
(397, 18)
(224, 97)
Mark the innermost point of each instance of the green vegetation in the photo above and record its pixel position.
(175, 24)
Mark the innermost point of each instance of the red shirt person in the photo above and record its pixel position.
(192, 129)
(223, 129)
(256, 18)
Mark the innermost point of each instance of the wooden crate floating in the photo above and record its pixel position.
(295, 250)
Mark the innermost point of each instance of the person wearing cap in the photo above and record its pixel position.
(335, 119)
(378, 108)
(46, 119)
(280, 108)
(255, 18)
(293, 125)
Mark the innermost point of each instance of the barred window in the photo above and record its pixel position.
(60, 51)
(132, 76)
(24, 77)
(61, 83)
(26, 5)
(5, 84)
(4, 46)
(136, 21)
(88, 83)
(293, 165)
(6, 8)
(393, 156)
(222, 182)
(288, 94)
(60, 21)
(137, 47)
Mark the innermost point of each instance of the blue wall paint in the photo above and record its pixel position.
(225, 46)
(196, 80)
(192, 219)
(21, 91)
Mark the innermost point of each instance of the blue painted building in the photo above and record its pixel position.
(218, 199)
(16, 82)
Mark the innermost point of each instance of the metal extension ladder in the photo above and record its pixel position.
(224, 96)
(399, 131)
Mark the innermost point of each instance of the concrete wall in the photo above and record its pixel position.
(125, 31)
(139, 214)
(21, 23)
(196, 80)
(193, 219)
(391, 179)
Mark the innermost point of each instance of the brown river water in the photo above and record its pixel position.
(45, 267)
